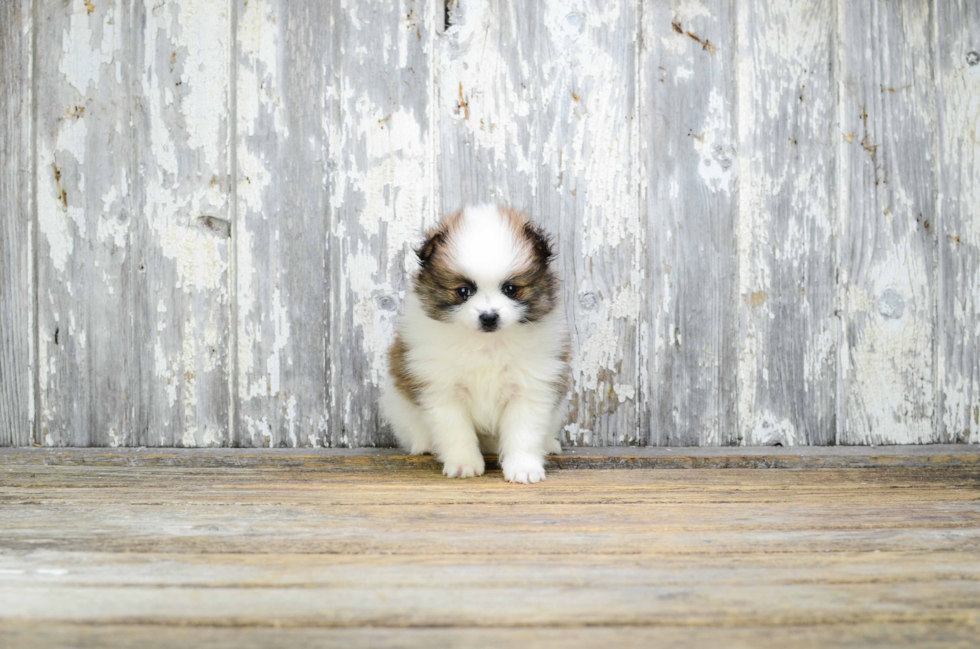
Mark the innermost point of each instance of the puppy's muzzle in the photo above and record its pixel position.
(489, 321)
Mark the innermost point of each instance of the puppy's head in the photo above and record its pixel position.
(486, 268)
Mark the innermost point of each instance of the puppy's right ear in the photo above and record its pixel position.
(427, 249)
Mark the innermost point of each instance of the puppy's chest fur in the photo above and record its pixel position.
(487, 377)
(492, 379)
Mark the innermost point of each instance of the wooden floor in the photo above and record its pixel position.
(138, 552)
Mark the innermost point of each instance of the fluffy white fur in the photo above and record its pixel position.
(492, 391)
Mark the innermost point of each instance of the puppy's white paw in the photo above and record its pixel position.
(463, 468)
(552, 446)
(523, 469)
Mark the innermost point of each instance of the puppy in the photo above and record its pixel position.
(480, 355)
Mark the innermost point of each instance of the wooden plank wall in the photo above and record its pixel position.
(766, 212)
(17, 232)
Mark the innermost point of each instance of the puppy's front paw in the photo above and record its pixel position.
(463, 468)
(525, 469)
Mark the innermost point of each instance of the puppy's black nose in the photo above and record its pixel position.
(489, 321)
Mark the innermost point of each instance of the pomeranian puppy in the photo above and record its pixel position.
(479, 361)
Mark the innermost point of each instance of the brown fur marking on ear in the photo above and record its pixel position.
(435, 283)
(515, 219)
(536, 241)
(405, 382)
(538, 284)
(428, 248)
(539, 241)
(436, 237)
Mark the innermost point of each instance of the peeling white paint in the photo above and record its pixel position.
(52, 215)
(280, 321)
(958, 362)
(599, 345)
(470, 65)
(625, 392)
(291, 423)
(257, 96)
(376, 325)
(82, 58)
(203, 36)
(786, 222)
(196, 34)
(72, 134)
(214, 437)
(590, 148)
(246, 305)
(561, 126)
(769, 430)
(258, 86)
(717, 168)
(380, 195)
(888, 186)
(187, 364)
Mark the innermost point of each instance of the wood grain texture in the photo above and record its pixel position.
(787, 228)
(888, 186)
(761, 553)
(132, 208)
(282, 260)
(937, 456)
(764, 212)
(689, 314)
(89, 223)
(16, 225)
(381, 196)
(489, 142)
(958, 360)
(846, 636)
(537, 110)
(333, 189)
(181, 235)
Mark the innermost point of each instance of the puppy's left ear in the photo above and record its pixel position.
(428, 248)
(540, 243)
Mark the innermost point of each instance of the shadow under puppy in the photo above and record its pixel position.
(480, 357)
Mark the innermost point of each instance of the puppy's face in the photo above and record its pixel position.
(486, 269)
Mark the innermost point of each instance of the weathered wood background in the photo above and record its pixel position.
(767, 211)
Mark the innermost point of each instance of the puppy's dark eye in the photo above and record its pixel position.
(464, 292)
(510, 290)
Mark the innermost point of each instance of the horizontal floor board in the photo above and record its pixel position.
(259, 571)
(763, 605)
(766, 457)
(223, 554)
(842, 636)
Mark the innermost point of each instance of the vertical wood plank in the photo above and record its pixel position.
(537, 108)
(489, 141)
(788, 140)
(689, 321)
(182, 238)
(958, 359)
(333, 185)
(378, 125)
(16, 225)
(586, 68)
(132, 210)
(88, 369)
(888, 198)
(283, 59)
